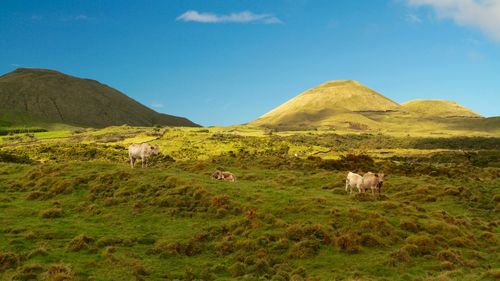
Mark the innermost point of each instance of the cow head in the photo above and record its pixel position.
(380, 177)
(154, 149)
(217, 175)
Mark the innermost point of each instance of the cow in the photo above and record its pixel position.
(373, 181)
(142, 151)
(223, 175)
(353, 180)
(228, 176)
(217, 175)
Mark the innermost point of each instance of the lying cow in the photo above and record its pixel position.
(142, 151)
(353, 180)
(223, 175)
(372, 181)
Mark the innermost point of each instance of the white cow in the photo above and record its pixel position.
(142, 151)
(353, 180)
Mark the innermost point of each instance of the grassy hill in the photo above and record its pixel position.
(347, 105)
(438, 108)
(41, 97)
(320, 105)
(73, 209)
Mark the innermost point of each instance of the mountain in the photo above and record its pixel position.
(348, 105)
(438, 108)
(42, 96)
(328, 103)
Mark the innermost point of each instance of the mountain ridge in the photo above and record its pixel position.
(50, 96)
(348, 104)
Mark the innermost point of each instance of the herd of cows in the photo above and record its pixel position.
(372, 181)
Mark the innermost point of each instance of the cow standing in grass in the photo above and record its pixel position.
(142, 151)
(353, 180)
(372, 181)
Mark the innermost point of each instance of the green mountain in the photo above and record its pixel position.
(41, 96)
(438, 108)
(349, 105)
(328, 104)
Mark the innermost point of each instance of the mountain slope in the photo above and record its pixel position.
(47, 96)
(323, 105)
(438, 108)
(348, 105)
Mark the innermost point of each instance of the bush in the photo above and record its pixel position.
(52, 213)
(78, 243)
(59, 272)
(305, 249)
(237, 269)
(15, 158)
(8, 260)
(451, 256)
(409, 225)
(399, 256)
(349, 243)
(424, 244)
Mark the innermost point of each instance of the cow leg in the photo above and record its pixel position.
(346, 185)
(373, 191)
(142, 162)
(132, 161)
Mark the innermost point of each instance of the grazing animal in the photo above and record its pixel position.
(142, 151)
(228, 176)
(217, 175)
(373, 181)
(353, 180)
(223, 175)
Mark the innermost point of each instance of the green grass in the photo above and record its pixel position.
(86, 215)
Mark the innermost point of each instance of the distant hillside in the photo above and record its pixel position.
(324, 104)
(38, 96)
(438, 108)
(348, 105)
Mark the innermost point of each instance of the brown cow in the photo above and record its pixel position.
(373, 181)
(223, 175)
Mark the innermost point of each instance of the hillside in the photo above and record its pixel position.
(438, 108)
(322, 105)
(73, 209)
(347, 105)
(41, 96)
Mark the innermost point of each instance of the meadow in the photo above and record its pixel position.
(71, 208)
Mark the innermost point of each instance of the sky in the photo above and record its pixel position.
(224, 62)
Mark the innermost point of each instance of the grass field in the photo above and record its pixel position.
(71, 208)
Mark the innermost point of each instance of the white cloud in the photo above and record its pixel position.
(80, 17)
(156, 104)
(241, 17)
(412, 18)
(481, 14)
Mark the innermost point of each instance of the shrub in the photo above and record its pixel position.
(79, 242)
(59, 272)
(349, 243)
(8, 260)
(409, 225)
(14, 158)
(41, 250)
(401, 255)
(237, 269)
(370, 240)
(424, 244)
(305, 249)
(29, 272)
(61, 187)
(52, 213)
(451, 256)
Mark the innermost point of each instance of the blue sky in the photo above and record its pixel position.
(226, 62)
